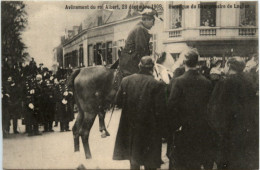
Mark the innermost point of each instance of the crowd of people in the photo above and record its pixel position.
(37, 96)
(206, 120)
(208, 114)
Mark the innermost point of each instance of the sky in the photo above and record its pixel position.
(46, 24)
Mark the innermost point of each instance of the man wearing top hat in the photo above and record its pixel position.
(137, 43)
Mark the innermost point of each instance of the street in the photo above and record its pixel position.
(55, 150)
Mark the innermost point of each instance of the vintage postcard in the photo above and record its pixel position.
(130, 84)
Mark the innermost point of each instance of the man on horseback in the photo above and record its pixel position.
(137, 43)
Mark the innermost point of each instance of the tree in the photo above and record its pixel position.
(14, 21)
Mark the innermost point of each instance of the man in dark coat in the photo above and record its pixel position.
(33, 67)
(137, 43)
(5, 109)
(49, 106)
(65, 105)
(233, 115)
(187, 106)
(15, 102)
(32, 105)
(139, 134)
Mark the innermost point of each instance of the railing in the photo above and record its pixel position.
(176, 33)
(247, 31)
(208, 32)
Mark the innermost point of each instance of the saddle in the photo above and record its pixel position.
(120, 74)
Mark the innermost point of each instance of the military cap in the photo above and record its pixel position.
(149, 12)
(38, 77)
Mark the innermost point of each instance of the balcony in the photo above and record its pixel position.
(208, 32)
(247, 31)
(175, 33)
(211, 34)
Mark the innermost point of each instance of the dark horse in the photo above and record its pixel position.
(94, 92)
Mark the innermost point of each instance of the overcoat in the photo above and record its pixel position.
(139, 134)
(15, 100)
(187, 109)
(34, 96)
(136, 46)
(234, 116)
(49, 103)
(5, 108)
(64, 104)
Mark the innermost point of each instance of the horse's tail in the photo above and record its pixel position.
(72, 77)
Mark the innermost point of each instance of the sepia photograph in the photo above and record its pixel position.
(130, 85)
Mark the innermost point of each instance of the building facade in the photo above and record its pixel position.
(217, 29)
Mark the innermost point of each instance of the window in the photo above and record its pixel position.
(98, 59)
(109, 53)
(247, 14)
(66, 60)
(100, 22)
(81, 59)
(74, 58)
(175, 16)
(208, 14)
(90, 55)
(71, 59)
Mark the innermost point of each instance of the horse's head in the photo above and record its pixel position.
(163, 69)
(251, 64)
(166, 65)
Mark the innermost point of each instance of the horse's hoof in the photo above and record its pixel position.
(103, 134)
(107, 133)
(88, 156)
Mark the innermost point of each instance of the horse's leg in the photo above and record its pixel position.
(102, 127)
(76, 128)
(88, 121)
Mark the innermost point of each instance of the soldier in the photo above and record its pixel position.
(5, 69)
(137, 43)
(56, 98)
(15, 103)
(5, 109)
(40, 86)
(33, 67)
(49, 106)
(32, 107)
(40, 69)
(65, 106)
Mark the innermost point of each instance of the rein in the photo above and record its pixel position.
(116, 83)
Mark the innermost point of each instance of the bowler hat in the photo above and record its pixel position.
(146, 62)
(236, 64)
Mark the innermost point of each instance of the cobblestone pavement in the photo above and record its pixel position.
(55, 150)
